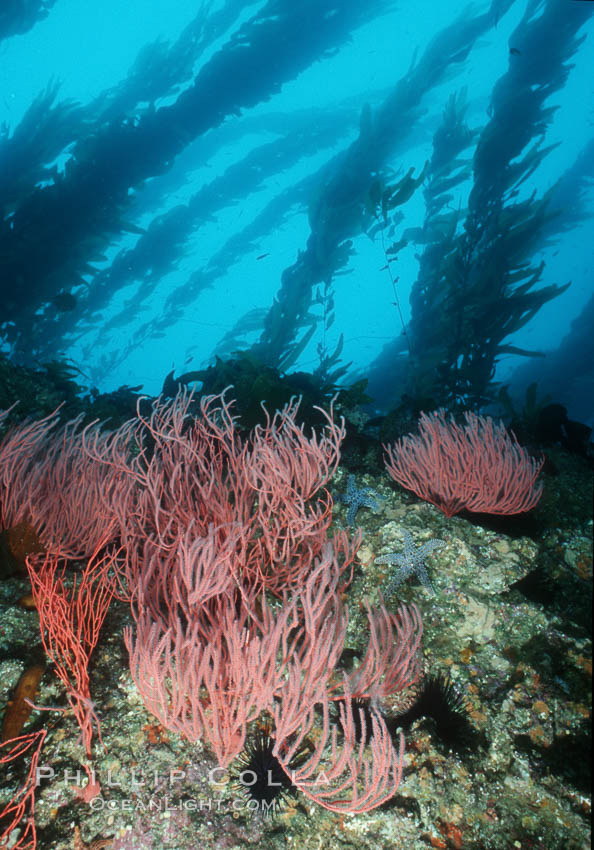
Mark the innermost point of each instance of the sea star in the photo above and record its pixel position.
(357, 498)
(411, 560)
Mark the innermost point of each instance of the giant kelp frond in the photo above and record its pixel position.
(19, 16)
(476, 290)
(340, 209)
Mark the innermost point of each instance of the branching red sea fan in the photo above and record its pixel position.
(202, 472)
(49, 482)
(235, 583)
(209, 673)
(70, 620)
(479, 466)
(17, 815)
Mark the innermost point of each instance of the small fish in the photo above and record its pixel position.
(383, 268)
(513, 51)
(261, 256)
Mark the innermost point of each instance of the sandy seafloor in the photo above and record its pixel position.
(520, 656)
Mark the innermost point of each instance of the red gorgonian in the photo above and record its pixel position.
(479, 466)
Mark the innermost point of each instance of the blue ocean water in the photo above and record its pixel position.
(171, 169)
